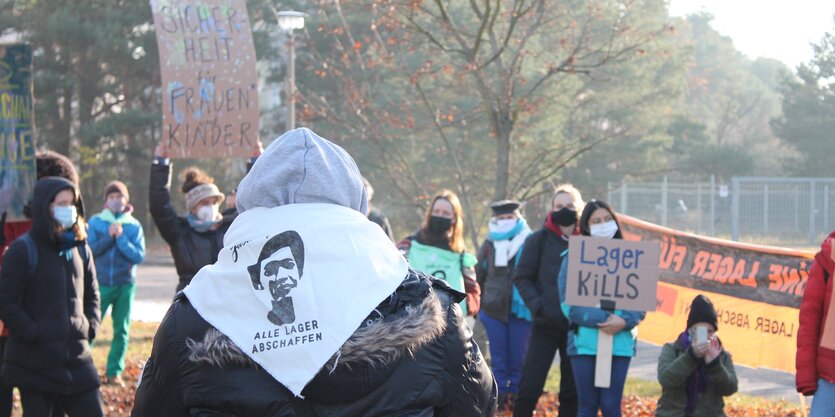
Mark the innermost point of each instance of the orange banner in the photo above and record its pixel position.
(756, 291)
(759, 335)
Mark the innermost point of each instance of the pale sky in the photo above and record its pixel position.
(780, 29)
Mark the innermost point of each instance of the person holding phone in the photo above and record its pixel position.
(695, 371)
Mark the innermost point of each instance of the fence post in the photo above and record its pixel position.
(664, 203)
(623, 197)
(796, 207)
(713, 205)
(765, 208)
(699, 206)
(826, 208)
(812, 203)
(735, 210)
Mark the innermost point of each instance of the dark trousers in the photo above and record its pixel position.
(6, 396)
(41, 404)
(607, 400)
(544, 343)
(508, 345)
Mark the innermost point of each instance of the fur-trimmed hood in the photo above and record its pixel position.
(386, 336)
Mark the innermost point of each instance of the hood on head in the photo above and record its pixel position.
(824, 257)
(45, 191)
(302, 167)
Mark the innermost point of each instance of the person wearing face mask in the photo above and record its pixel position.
(438, 249)
(598, 220)
(47, 164)
(195, 238)
(49, 300)
(695, 371)
(118, 246)
(505, 317)
(535, 274)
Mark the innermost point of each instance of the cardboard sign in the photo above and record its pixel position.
(17, 144)
(612, 271)
(209, 80)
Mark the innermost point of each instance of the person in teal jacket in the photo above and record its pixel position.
(598, 219)
(118, 246)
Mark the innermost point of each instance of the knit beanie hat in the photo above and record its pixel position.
(302, 167)
(201, 192)
(702, 311)
(116, 187)
(53, 164)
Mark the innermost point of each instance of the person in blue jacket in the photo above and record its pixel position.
(598, 219)
(118, 246)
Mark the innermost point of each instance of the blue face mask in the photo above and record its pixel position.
(66, 216)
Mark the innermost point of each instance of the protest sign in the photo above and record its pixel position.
(756, 290)
(611, 274)
(209, 81)
(612, 270)
(17, 147)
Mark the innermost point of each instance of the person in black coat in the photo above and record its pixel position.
(536, 278)
(51, 307)
(302, 235)
(188, 374)
(196, 238)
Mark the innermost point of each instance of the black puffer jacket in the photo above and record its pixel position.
(495, 281)
(536, 277)
(190, 249)
(52, 313)
(418, 360)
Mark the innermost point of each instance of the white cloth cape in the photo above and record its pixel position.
(349, 267)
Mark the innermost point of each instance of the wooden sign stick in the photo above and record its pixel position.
(605, 344)
(603, 367)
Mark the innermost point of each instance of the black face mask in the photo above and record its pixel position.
(439, 225)
(564, 217)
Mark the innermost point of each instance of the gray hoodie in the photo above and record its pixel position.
(302, 167)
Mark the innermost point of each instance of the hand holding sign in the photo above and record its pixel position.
(613, 325)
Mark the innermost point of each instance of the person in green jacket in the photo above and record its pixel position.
(695, 371)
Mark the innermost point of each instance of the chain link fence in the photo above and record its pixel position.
(779, 211)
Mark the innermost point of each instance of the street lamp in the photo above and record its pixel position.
(289, 21)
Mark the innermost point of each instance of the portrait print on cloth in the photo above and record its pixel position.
(279, 287)
(279, 268)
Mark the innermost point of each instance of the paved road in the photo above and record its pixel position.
(157, 280)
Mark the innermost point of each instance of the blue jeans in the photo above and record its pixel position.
(591, 398)
(508, 345)
(823, 404)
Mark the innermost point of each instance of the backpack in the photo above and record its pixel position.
(32, 253)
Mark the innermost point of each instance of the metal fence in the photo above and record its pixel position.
(787, 211)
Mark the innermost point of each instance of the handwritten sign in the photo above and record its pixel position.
(209, 80)
(612, 270)
(17, 147)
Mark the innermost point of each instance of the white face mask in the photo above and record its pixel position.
(66, 216)
(502, 226)
(606, 230)
(208, 213)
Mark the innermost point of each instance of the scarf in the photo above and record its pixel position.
(507, 244)
(66, 242)
(697, 380)
(200, 225)
(555, 228)
(294, 282)
(124, 217)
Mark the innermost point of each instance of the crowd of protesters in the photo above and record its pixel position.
(409, 351)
